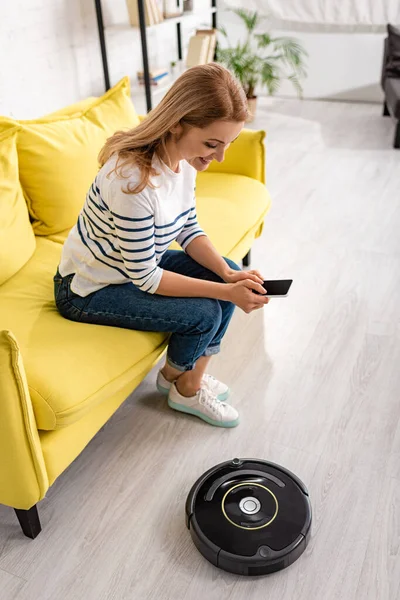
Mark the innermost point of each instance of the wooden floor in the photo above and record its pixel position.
(316, 378)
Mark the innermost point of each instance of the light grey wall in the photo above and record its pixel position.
(342, 66)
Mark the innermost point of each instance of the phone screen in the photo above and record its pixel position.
(279, 287)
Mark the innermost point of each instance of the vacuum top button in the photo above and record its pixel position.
(249, 505)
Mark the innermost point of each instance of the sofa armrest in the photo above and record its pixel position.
(23, 475)
(246, 156)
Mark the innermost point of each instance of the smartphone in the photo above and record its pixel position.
(278, 288)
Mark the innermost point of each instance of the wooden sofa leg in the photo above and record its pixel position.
(247, 259)
(385, 112)
(396, 143)
(29, 521)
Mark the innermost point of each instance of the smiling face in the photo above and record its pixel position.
(200, 146)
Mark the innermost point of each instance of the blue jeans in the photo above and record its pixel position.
(197, 325)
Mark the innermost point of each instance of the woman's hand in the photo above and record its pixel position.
(241, 294)
(232, 276)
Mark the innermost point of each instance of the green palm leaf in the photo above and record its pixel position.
(270, 76)
(222, 30)
(293, 52)
(251, 19)
(263, 39)
(296, 84)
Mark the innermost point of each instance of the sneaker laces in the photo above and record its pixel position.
(210, 381)
(209, 399)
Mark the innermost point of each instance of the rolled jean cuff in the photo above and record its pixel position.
(182, 368)
(211, 350)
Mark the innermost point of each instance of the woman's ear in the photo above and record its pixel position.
(177, 131)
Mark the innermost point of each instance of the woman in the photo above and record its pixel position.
(116, 268)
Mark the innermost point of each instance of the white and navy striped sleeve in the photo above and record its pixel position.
(191, 229)
(133, 219)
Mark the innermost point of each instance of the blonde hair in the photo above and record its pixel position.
(200, 96)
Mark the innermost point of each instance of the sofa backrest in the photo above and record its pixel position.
(57, 155)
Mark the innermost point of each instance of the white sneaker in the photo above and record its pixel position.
(204, 405)
(218, 388)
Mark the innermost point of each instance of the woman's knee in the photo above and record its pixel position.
(208, 313)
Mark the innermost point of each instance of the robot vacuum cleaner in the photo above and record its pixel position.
(249, 516)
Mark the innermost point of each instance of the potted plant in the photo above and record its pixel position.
(262, 59)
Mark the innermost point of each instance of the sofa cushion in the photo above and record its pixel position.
(58, 156)
(392, 95)
(71, 367)
(17, 240)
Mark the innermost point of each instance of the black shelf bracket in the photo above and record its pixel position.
(100, 25)
(145, 56)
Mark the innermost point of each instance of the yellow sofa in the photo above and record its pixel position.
(53, 400)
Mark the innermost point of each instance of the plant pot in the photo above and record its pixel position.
(252, 104)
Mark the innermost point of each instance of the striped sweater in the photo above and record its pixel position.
(122, 237)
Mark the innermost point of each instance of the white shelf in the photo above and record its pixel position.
(157, 91)
(183, 17)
